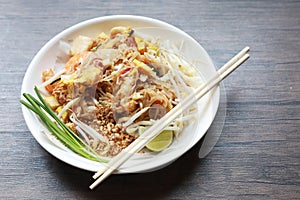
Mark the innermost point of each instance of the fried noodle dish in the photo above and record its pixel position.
(113, 87)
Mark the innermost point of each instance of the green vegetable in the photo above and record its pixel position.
(63, 133)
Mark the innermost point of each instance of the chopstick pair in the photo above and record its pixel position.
(155, 129)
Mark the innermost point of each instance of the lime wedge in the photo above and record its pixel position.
(160, 142)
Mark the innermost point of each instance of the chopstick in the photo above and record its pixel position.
(155, 129)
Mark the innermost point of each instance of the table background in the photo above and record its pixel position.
(257, 155)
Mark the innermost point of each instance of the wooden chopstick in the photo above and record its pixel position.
(154, 130)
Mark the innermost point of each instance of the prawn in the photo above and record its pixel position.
(76, 60)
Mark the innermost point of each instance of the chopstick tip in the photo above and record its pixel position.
(247, 48)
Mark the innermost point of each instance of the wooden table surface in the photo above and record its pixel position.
(258, 153)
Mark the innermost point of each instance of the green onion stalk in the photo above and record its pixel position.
(62, 132)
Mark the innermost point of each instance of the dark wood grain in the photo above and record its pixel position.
(257, 156)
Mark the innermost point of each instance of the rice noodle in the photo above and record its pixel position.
(117, 82)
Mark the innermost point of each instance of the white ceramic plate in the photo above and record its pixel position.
(193, 51)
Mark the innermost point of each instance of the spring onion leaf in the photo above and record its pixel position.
(62, 132)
